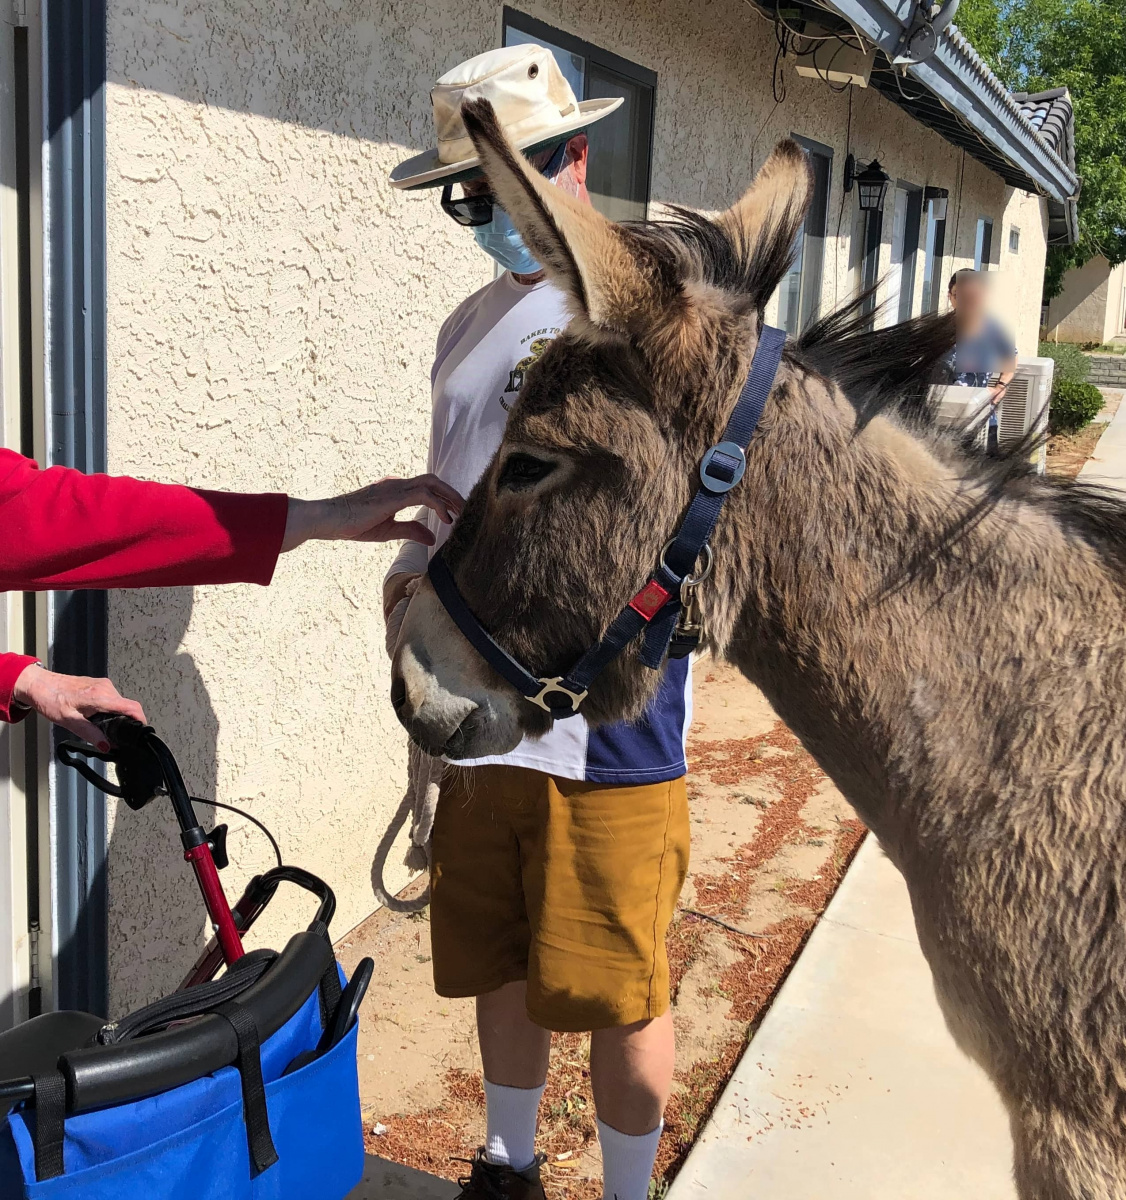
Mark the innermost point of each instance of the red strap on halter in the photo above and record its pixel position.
(650, 600)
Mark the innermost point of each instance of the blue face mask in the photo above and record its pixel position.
(501, 241)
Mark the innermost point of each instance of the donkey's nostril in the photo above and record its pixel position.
(398, 693)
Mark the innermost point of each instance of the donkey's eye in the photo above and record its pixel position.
(522, 471)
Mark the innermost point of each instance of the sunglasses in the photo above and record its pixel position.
(473, 211)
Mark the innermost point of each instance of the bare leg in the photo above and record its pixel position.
(631, 1074)
(514, 1050)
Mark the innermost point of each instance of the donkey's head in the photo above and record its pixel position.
(599, 454)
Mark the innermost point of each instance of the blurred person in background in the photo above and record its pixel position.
(984, 354)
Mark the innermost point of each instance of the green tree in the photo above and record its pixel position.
(1034, 45)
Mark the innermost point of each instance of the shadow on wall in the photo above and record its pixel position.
(348, 67)
(157, 918)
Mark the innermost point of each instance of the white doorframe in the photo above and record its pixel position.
(21, 350)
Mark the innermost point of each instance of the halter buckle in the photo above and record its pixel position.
(550, 687)
(722, 467)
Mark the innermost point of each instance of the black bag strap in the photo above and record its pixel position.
(258, 1138)
(50, 1118)
(191, 1002)
(329, 987)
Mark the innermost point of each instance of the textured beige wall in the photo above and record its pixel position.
(1116, 303)
(272, 312)
(1080, 312)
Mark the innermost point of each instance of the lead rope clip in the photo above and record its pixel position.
(689, 630)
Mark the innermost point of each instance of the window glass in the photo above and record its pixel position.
(932, 259)
(871, 231)
(618, 168)
(904, 251)
(799, 294)
(983, 245)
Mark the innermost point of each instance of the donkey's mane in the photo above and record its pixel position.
(890, 371)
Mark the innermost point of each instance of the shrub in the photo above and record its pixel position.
(1072, 365)
(1074, 405)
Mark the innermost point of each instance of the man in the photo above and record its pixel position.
(983, 348)
(555, 868)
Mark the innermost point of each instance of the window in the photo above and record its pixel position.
(871, 232)
(983, 245)
(621, 145)
(1014, 239)
(935, 250)
(904, 251)
(799, 294)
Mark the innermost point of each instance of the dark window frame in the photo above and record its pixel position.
(604, 59)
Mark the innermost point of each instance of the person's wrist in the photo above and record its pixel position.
(300, 523)
(24, 687)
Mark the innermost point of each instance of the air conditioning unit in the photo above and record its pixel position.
(1024, 406)
(961, 408)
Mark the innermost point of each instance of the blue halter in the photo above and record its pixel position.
(655, 609)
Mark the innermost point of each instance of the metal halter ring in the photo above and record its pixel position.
(691, 581)
(550, 687)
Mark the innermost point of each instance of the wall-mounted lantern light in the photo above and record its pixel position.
(871, 183)
(937, 198)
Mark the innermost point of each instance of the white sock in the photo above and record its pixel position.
(512, 1114)
(627, 1162)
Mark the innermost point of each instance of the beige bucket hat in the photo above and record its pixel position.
(533, 101)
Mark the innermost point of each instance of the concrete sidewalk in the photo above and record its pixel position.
(1107, 465)
(852, 1089)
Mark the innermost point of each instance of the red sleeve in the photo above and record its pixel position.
(11, 668)
(62, 529)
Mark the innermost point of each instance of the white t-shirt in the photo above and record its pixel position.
(484, 349)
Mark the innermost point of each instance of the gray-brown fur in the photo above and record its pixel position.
(947, 643)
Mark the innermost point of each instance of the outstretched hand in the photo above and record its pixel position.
(69, 699)
(368, 515)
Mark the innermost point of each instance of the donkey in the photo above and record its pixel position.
(944, 635)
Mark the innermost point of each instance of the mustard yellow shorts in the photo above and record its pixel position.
(570, 886)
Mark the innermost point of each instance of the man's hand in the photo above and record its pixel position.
(369, 514)
(398, 587)
(69, 699)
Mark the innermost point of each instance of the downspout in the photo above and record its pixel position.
(74, 69)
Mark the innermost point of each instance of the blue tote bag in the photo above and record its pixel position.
(191, 1143)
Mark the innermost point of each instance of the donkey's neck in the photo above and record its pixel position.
(889, 662)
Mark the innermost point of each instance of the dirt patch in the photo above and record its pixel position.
(771, 838)
(1068, 452)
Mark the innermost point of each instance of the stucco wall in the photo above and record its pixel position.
(1080, 312)
(272, 311)
(1115, 324)
(272, 314)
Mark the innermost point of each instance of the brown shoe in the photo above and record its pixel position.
(487, 1181)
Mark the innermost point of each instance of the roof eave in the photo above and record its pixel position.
(957, 75)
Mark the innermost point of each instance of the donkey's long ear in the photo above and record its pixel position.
(765, 222)
(587, 255)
